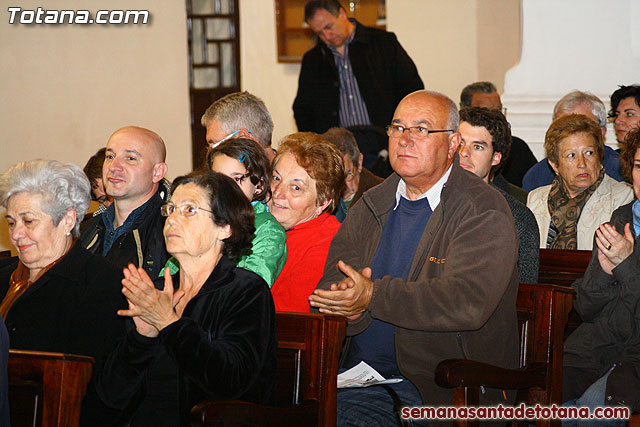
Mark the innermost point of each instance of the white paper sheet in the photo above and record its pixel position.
(363, 375)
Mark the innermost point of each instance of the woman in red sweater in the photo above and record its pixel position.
(308, 176)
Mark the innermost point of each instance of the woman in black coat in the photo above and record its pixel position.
(602, 356)
(212, 338)
(55, 296)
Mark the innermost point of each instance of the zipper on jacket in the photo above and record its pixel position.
(464, 354)
(459, 339)
(93, 241)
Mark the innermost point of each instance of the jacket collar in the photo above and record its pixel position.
(381, 198)
(150, 209)
(362, 35)
(70, 268)
(220, 276)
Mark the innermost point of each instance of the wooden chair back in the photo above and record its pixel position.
(542, 315)
(309, 347)
(46, 389)
(543, 311)
(562, 267)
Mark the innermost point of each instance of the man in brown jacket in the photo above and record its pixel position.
(426, 268)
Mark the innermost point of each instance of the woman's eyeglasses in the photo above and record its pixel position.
(187, 210)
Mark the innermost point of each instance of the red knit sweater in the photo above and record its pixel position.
(307, 248)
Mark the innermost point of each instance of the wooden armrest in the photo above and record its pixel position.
(468, 373)
(235, 412)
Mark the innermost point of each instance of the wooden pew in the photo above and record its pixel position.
(542, 315)
(309, 347)
(46, 389)
(562, 267)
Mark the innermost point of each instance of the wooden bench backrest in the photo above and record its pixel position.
(562, 267)
(309, 347)
(543, 311)
(46, 389)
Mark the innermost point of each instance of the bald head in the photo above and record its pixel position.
(149, 138)
(436, 101)
(133, 166)
(421, 160)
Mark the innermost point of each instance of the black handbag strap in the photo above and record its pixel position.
(397, 406)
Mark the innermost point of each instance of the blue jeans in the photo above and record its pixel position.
(373, 406)
(593, 397)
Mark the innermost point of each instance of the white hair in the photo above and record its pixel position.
(571, 100)
(63, 187)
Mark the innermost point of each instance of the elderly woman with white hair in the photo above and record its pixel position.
(55, 296)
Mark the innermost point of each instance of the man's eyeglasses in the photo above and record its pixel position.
(418, 132)
(187, 210)
(226, 138)
(349, 175)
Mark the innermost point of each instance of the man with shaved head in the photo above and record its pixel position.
(130, 230)
(424, 268)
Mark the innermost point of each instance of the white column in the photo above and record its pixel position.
(589, 45)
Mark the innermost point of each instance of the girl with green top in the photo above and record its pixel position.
(244, 161)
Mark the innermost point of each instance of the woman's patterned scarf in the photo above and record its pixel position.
(565, 213)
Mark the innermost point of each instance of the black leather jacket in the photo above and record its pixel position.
(143, 245)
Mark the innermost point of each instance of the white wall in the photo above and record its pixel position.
(573, 44)
(66, 88)
(260, 71)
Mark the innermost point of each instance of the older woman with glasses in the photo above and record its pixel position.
(244, 161)
(207, 332)
(308, 176)
(55, 295)
(581, 196)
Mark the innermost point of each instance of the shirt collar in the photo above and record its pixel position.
(109, 216)
(635, 210)
(433, 194)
